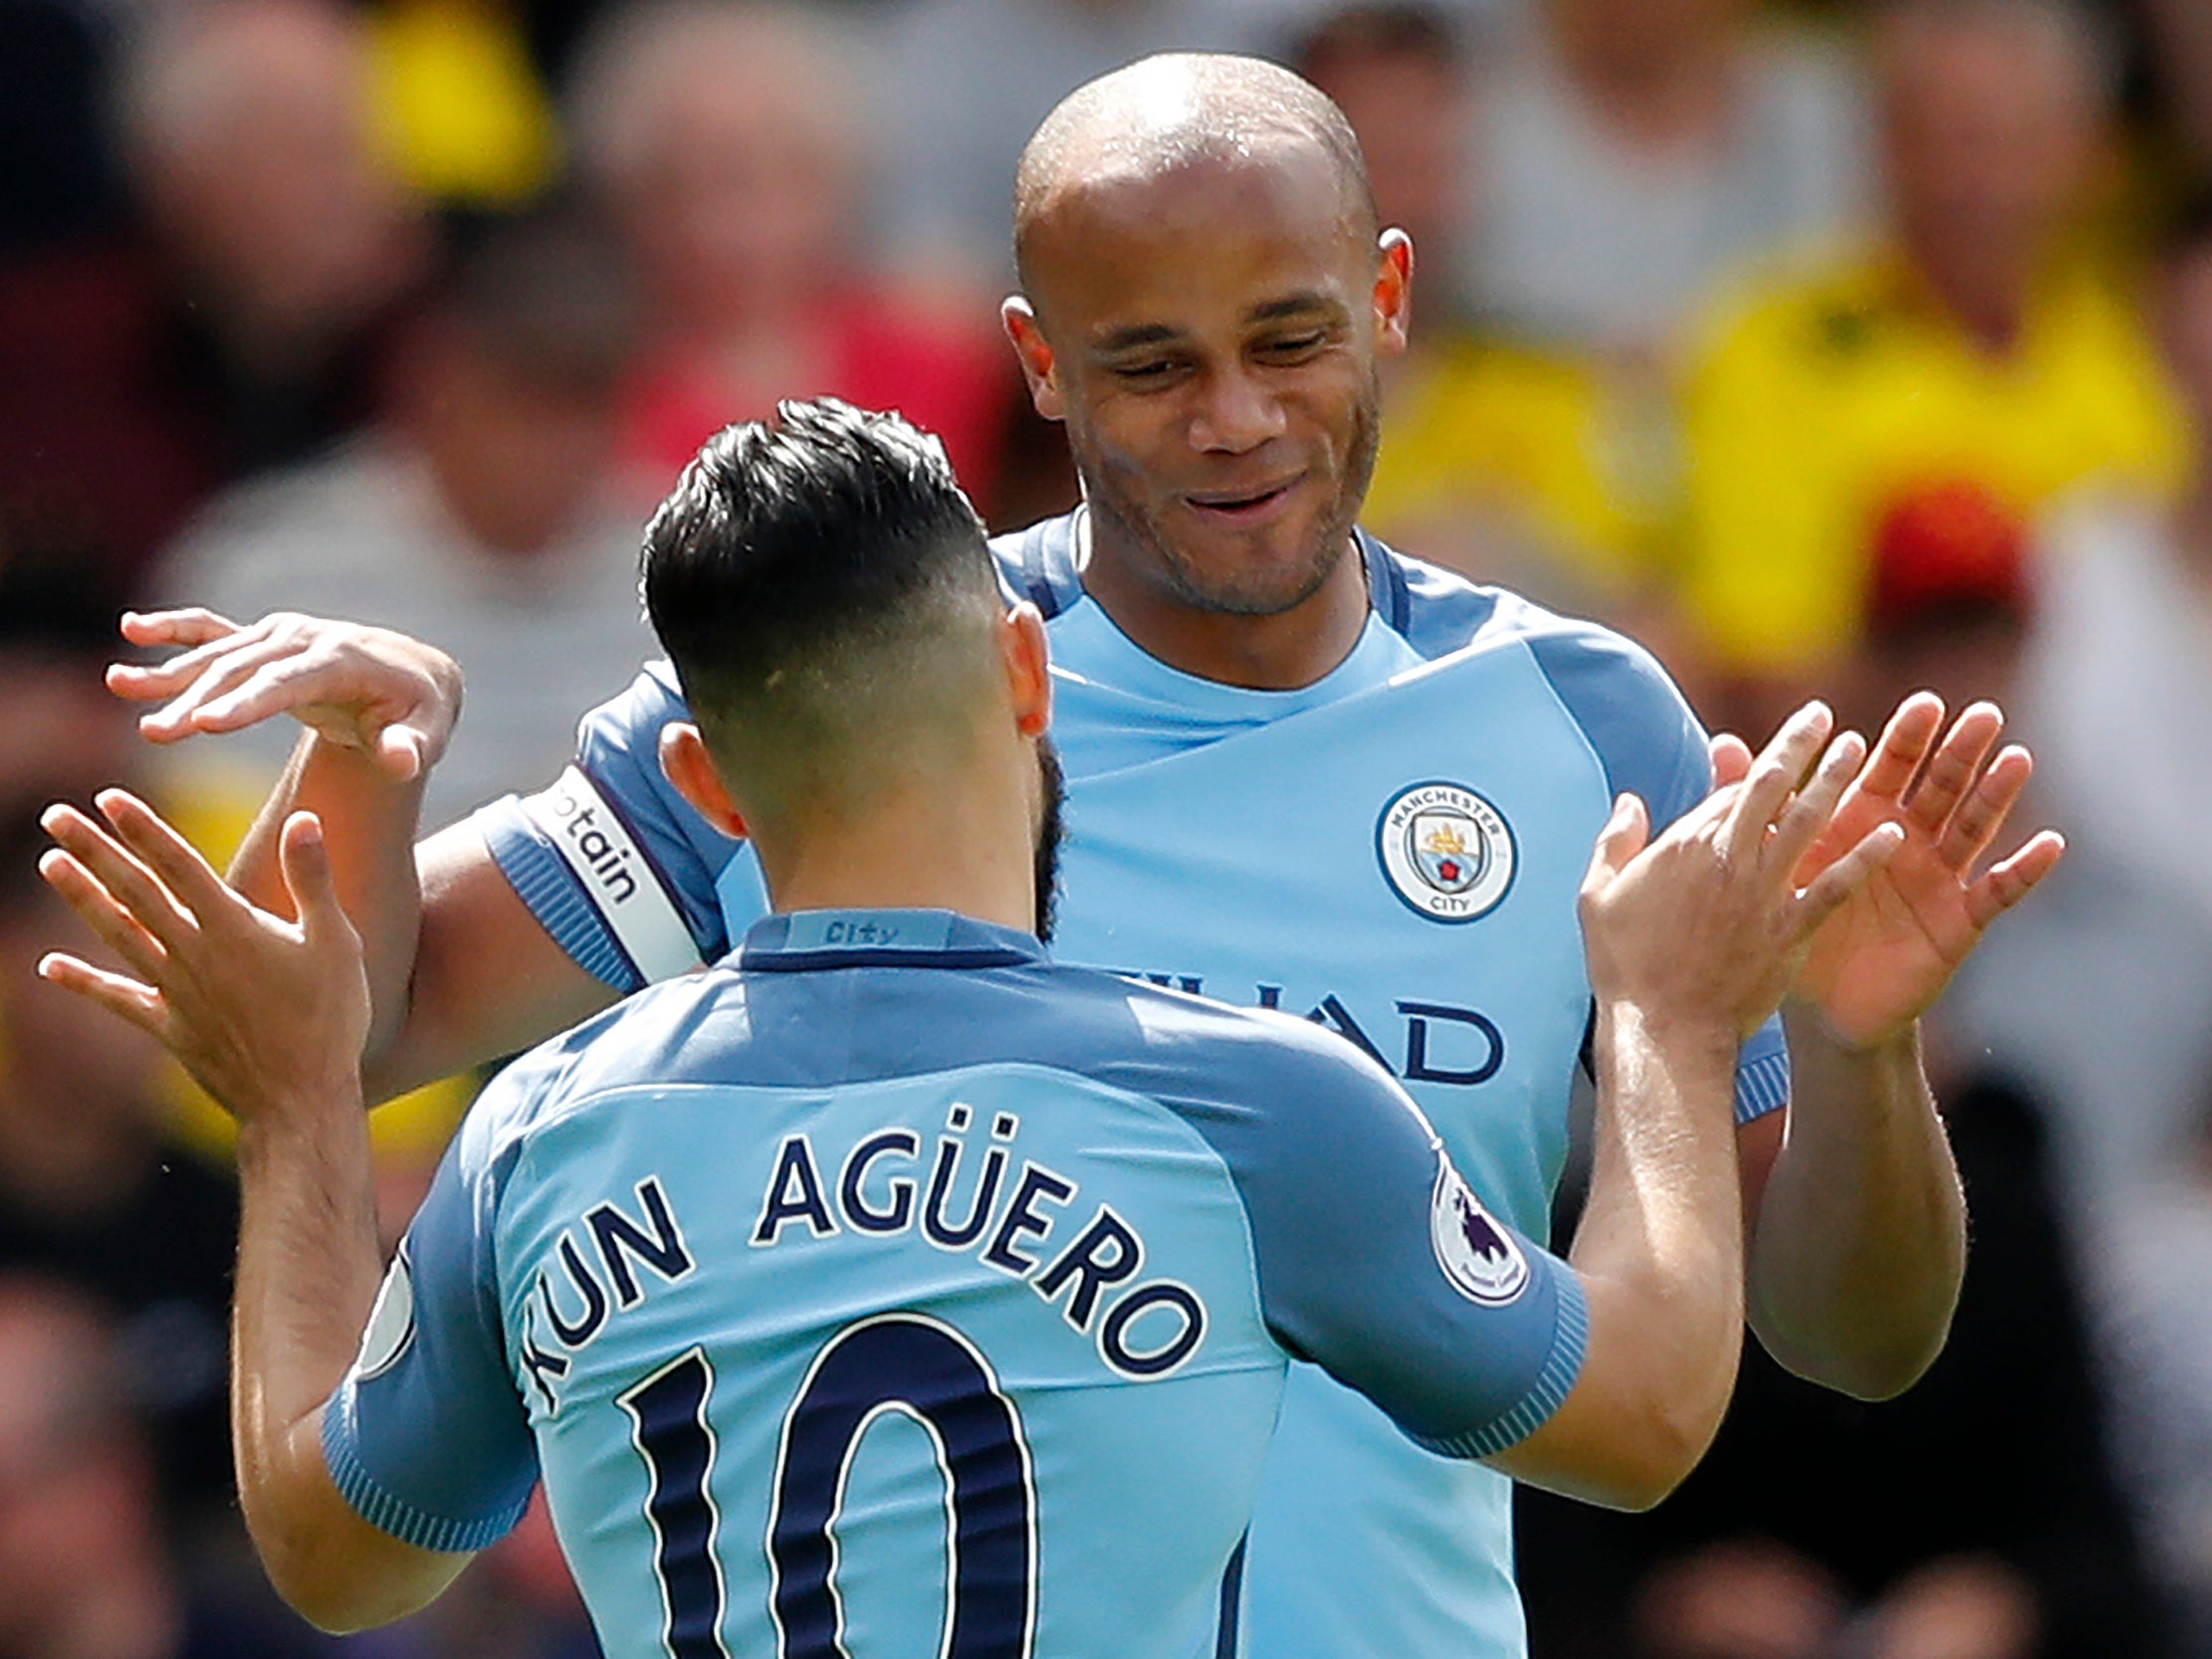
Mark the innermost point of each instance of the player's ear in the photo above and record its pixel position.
(1029, 664)
(691, 770)
(1035, 353)
(1394, 292)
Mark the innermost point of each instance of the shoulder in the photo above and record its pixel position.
(1040, 564)
(1438, 613)
(636, 1042)
(644, 706)
(1615, 692)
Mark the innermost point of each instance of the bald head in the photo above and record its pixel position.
(1168, 115)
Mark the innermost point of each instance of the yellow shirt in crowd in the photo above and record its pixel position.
(1534, 468)
(1828, 408)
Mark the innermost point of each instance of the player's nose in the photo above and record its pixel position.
(1234, 413)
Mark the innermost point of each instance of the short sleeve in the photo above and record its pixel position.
(610, 859)
(1376, 1261)
(427, 1437)
(1651, 745)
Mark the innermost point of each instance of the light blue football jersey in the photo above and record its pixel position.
(891, 1291)
(1394, 852)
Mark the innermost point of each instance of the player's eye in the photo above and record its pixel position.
(1149, 371)
(1294, 347)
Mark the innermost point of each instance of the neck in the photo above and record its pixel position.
(1281, 653)
(915, 846)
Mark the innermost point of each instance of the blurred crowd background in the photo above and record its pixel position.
(1846, 348)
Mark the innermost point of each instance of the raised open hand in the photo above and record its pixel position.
(370, 689)
(1711, 923)
(1881, 961)
(268, 1014)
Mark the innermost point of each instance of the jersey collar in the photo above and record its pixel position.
(796, 941)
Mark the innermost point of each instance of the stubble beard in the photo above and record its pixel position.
(1193, 588)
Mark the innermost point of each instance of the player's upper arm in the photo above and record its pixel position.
(616, 866)
(487, 978)
(538, 912)
(1378, 1262)
(426, 1440)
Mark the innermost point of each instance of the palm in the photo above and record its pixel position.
(1883, 958)
(1881, 961)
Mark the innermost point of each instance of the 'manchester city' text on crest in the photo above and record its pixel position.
(1446, 851)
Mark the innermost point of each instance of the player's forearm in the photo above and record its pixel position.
(307, 1270)
(1659, 1248)
(1860, 1245)
(370, 822)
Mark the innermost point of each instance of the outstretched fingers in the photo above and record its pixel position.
(118, 930)
(1902, 747)
(1814, 808)
(172, 860)
(181, 625)
(1975, 824)
(2014, 878)
(119, 873)
(202, 637)
(1778, 771)
(142, 1006)
(271, 684)
(1954, 767)
(236, 662)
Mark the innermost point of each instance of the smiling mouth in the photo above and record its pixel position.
(1244, 505)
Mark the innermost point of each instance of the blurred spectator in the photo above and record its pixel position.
(965, 83)
(2103, 992)
(92, 1190)
(1632, 150)
(251, 140)
(2120, 684)
(1965, 372)
(83, 1571)
(237, 328)
(2106, 992)
(728, 140)
(1511, 461)
(481, 512)
(1980, 1516)
(1975, 1517)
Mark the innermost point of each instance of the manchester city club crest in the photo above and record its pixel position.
(1477, 1255)
(1446, 851)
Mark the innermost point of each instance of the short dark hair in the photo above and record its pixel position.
(804, 575)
